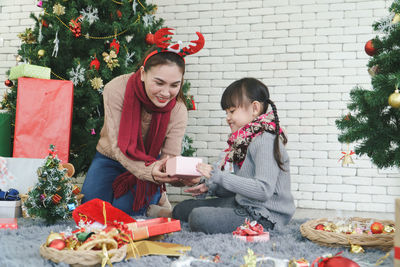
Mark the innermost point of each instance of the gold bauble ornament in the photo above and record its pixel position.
(394, 99)
(19, 58)
(41, 53)
(53, 236)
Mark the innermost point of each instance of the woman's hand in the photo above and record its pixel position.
(204, 169)
(197, 190)
(159, 174)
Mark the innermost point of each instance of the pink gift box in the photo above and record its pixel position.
(183, 167)
(254, 238)
(8, 223)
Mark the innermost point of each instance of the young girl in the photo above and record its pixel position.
(258, 187)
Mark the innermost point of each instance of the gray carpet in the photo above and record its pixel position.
(21, 247)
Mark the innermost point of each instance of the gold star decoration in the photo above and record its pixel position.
(59, 9)
(97, 83)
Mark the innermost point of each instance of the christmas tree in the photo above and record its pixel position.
(88, 42)
(373, 120)
(54, 197)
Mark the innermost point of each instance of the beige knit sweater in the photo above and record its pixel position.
(113, 95)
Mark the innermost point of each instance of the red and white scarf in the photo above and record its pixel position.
(240, 140)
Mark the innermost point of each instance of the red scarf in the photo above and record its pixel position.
(131, 143)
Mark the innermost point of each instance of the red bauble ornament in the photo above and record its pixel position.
(377, 228)
(335, 261)
(320, 227)
(95, 63)
(8, 83)
(369, 48)
(44, 23)
(150, 39)
(119, 13)
(57, 244)
(115, 45)
(56, 198)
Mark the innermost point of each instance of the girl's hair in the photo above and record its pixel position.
(164, 58)
(243, 92)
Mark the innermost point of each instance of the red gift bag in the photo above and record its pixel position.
(43, 117)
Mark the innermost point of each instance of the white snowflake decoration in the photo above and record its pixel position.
(148, 20)
(128, 58)
(134, 5)
(77, 75)
(90, 14)
(185, 143)
(386, 25)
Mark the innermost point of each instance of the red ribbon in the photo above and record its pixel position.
(249, 229)
(397, 253)
(351, 153)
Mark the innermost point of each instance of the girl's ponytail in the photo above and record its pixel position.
(277, 151)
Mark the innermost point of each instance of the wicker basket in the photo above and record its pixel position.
(80, 257)
(332, 239)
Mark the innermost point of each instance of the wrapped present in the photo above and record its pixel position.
(299, 263)
(29, 70)
(43, 117)
(251, 232)
(5, 134)
(397, 235)
(8, 223)
(183, 167)
(153, 227)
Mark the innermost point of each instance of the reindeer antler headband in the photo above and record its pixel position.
(164, 46)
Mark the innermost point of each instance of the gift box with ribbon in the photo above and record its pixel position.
(251, 232)
(29, 70)
(8, 223)
(153, 227)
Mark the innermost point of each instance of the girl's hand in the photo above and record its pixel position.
(197, 190)
(159, 175)
(190, 181)
(204, 169)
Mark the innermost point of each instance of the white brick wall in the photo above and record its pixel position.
(309, 52)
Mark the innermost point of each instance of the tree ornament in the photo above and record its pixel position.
(374, 70)
(119, 14)
(128, 58)
(53, 236)
(8, 83)
(40, 4)
(149, 39)
(75, 27)
(27, 36)
(394, 99)
(40, 37)
(55, 42)
(115, 45)
(106, 45)
(41, 53)
(76, 190)
(97, 83)
(95, 63)
(396, 19)
(57, 244)
(58, 9)
(134, 5)
(111, 59)
(92, 131)
(90, 14)
(44, 23)
(346, 158)
(377, 228)
(56, 198)
(369, 48)
(18, 58)
(77, 75)
(148, 20)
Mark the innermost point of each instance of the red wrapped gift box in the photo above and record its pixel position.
(8, 223)
(43, 117)
(254, 238)
(153, 227)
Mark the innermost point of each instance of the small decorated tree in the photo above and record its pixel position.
(54, 197)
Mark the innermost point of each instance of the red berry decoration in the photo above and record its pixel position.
(377, 228)
(8, 83)
(44, 23)
(75, 27)
(150, 39)
(369, 48)
(95, 63)
(119, 13)
(57, 244)
(320, 227)
(115, 45)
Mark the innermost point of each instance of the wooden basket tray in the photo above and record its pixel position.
(332, 239)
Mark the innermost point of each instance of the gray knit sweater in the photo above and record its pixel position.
(259, 185)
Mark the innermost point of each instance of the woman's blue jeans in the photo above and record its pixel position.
(98, 184)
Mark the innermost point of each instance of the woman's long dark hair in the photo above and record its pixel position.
(238, 92)
(164, 58)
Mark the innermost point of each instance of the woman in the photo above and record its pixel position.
(145, 114)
